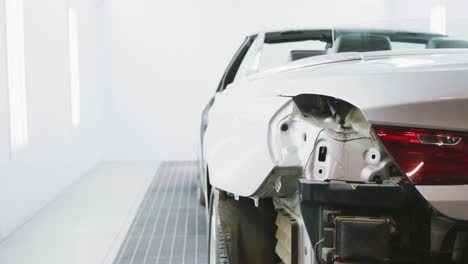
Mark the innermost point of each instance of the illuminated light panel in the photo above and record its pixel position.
(75, 92)
(17, 93)
(439, 19)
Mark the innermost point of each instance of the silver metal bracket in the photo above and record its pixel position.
(256, 201)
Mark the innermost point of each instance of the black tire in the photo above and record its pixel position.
(201, 197)
(217, 244)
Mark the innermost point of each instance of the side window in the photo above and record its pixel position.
(232, 69)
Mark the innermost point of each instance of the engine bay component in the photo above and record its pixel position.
(363, 223)
(388, 194)
(362, 238)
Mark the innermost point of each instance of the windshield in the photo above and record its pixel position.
(394, 35)
(366, 40)
(277, 48)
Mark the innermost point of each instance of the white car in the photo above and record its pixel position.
(339, 146)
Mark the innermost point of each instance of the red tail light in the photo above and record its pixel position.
(428, 156)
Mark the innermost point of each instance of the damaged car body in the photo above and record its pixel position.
(348, 150)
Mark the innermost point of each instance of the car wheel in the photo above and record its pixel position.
(200, 197)
(217, 246)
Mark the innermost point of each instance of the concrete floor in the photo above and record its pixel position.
(94, 221)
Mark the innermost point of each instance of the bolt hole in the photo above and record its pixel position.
(320, 171)
(373, 156)
(305, 137)
(284, 127)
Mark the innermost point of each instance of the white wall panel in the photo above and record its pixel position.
(4, 119)
(57, 153)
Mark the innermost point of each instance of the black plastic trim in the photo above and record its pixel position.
(345, 194)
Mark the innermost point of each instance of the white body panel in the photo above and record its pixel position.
(236, 140)
(418, 89)
(450, 200)
(388, 87)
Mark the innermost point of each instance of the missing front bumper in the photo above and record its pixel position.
(362, 223)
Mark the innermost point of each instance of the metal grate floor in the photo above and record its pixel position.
(170, 226)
